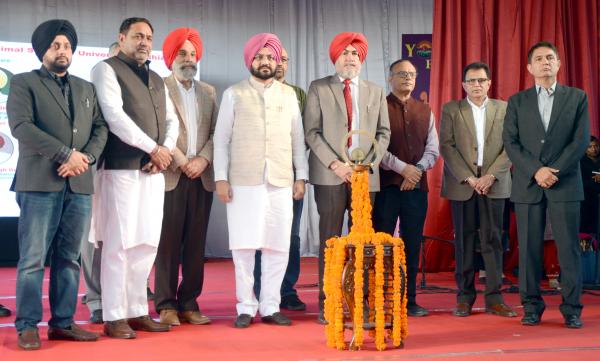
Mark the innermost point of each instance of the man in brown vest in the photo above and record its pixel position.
(143, 132)
(412, 151)
(477, 182)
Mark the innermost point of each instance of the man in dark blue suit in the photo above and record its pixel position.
(546, 131)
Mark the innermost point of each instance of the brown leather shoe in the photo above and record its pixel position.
(462, 309)
(145, 323)
(72, 333)
(29, 339)
(118, 329)
(168, 316)
(194, 317)
(501, 309)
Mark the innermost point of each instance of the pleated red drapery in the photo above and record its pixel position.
(499, 33)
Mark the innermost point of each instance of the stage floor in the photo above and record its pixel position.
(439, 336)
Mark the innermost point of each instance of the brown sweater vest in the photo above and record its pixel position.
(409, 125)
(145, 104)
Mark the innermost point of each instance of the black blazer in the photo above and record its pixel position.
(41, 121)
(529, 147)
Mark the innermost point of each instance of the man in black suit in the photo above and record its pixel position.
(61, 133)
(546, 131)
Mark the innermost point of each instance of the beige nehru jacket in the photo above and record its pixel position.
(262, 135)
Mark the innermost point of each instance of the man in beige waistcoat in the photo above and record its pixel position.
(258, 142)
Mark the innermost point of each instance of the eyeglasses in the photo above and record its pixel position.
(259, 57)
(476, 80)
(406, 74)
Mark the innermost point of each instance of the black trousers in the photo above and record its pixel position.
(481, 216)
(531, 222)
(411, 207)
(182, 241)
(332, 203)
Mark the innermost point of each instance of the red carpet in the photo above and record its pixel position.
(439, 336)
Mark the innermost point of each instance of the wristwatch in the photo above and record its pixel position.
(420, 167)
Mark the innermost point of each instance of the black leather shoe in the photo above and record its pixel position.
(96, 317)
(277, 318)
(415, 310)
(573, 321)
(4, 312)
(243, 321)
(292, 303)
(531, 319)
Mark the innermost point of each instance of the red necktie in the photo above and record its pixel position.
(348, 99)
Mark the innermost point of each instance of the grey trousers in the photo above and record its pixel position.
(90, 263)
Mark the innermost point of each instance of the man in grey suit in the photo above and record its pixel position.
(477, 182)
(335, 105)
(546, 132)
(61, 132)
(189, 184)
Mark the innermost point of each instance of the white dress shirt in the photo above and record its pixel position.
(190, 106)
(545, 102)
(479, 117)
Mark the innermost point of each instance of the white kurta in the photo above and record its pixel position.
(258, 217)
(136, 196)
(128, 207)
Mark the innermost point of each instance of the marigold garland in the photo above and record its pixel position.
(361, 234)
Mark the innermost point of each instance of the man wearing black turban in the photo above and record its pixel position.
(61, 132)
(44, 35)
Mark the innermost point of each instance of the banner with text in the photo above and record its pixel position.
(417, 49)
(19, 58)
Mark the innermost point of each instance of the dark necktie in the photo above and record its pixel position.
(348, 99)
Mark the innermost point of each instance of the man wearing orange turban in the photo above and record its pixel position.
(359, 104)
(188, 184)
(175, 40)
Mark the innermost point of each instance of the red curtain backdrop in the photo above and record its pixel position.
(499, 33)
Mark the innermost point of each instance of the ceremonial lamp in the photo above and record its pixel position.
(365, 272)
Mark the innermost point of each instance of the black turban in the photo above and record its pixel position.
(45, 33)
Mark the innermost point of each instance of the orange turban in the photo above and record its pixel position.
(342, 40)
(174, 41)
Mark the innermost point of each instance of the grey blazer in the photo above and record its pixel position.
(326, 123)
(530, 147)
(40, 119)
(207, 105)
(458, 145)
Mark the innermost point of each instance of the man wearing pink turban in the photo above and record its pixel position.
(188, 184)
(359, 104)
(258, 143)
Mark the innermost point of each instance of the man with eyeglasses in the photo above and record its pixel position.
(413, 150)
(258, 143)
(477, 182)
(289, 295)
(546, 132)
(337, 104)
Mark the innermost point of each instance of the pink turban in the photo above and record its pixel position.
(259, 41)
(342, 40)
(174, 41)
